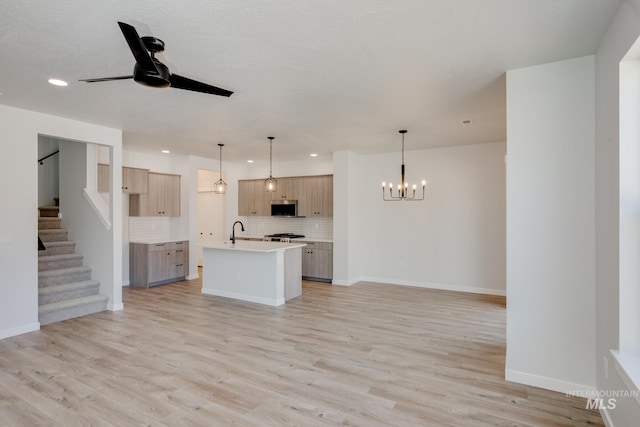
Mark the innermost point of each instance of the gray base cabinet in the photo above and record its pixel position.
(158, 263)
(317, 261)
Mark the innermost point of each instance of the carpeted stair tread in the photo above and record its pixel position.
(69, 309)
(49, 211)
(58, 248)
(66, 291)
(49, 223)
(64, 271)
(54, 234)
(56, 262)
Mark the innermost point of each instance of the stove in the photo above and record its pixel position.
(279, 236)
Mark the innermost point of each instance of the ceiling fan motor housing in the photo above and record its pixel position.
(154, 78)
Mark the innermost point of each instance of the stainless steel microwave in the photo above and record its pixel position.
(284, 208)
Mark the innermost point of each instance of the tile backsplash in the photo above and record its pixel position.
(149, 227)
(317, 228)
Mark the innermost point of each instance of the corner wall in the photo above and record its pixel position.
(623, 31)
(550, 225)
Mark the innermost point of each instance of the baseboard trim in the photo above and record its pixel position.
(23, 329)
(344, 282)
(243, 297)
(115, 307)
(547, 383)
(193, 276)
(440, 286)
(125, 283)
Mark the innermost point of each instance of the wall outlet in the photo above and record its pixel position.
(605, 367)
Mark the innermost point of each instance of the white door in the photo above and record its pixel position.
(211, 207)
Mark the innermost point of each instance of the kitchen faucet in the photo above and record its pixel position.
(233, 231)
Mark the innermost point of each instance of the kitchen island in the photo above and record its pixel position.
(262, 272)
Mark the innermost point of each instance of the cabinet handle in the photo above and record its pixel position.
(179, 250)
(179, 265)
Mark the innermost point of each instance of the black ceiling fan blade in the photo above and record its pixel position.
(105, 79)
(180, 82)
(137, 47)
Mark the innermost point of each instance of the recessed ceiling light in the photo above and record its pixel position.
(249, 161)
(166, 151)
(58, 82)
(314, 155)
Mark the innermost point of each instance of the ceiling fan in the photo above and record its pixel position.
(149, 71)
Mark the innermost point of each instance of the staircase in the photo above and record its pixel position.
(65, 288)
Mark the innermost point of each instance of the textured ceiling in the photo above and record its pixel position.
(320, 76)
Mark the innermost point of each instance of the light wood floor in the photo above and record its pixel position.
(365, 355)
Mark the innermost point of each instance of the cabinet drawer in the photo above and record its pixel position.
(318, 245)
(178, 270)
(178, 256)
(159, 247)
(178, 245)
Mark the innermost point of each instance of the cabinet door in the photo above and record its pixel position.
(158, 265)
(103, 178)
(315, 196)
(163, 198)
(253, 200)
(135, 180)
(285, 189)
(246, 194)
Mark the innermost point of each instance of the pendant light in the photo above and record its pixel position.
(220, 187)
(270, 184)
(403, 187)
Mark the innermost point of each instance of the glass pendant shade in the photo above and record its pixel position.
(270, 184)
(220, 187)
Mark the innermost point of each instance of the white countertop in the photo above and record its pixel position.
(252, 246)
(300, 239)
(157, 241)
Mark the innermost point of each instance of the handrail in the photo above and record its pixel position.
(46, 157)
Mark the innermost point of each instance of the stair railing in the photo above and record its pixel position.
(47, 156)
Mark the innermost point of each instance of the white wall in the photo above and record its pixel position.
(550, 225)
(19, 130)
(93, 240)
(621, 34)
(454, 239)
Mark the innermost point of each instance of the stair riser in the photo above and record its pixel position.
(54, 236)
(55, 265)
(58, 250)
(49, 224)
(69, 294)
(49, 213)
(70, 313)
(66, 278)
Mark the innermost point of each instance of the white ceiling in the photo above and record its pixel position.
(320, 76)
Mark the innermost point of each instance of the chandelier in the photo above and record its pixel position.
(270, 183)
(220, 187)
(404, 193)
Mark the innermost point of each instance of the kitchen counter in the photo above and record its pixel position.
(253, 246)
(261, 272)
(157, 241)
(299, 239)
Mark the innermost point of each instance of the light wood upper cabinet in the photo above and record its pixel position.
(315, 196)
(103, 178)
(253, 200)
(313, 193)
(163, 198)
(286, 189)
(135, 180)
